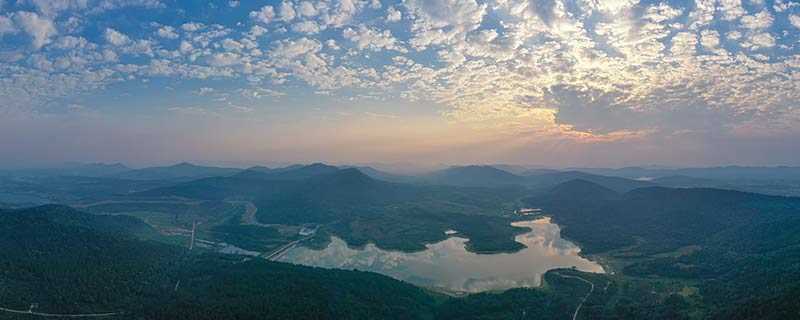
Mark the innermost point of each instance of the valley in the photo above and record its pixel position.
(450, 250)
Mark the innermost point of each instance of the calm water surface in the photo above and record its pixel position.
(448, 265)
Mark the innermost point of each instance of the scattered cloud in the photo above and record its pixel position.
(795, 20)
(40, 28)
(578, 69)
(366, 38)
(286, 12)
(7, 26)
(265, 15)
(306, 27)
(116, 38)
(192, 26)
(393, 15)
(167, 32)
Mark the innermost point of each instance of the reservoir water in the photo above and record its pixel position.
(447, 265)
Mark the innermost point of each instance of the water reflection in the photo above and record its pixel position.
(448, 265)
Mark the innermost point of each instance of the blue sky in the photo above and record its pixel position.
(554, 82)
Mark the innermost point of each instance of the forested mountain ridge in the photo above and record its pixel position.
(489, 176)
(674, 253)
(738, 247)
(361, 209)
(181, 171)
(70, 262)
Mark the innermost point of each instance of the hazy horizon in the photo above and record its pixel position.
(390, 167)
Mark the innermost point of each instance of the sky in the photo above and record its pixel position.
(551, 82)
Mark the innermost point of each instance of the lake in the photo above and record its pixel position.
(447, 265)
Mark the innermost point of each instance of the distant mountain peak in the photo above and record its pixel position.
(184, 165)
(261, 169)
(475, 167)
(294, 172)
(319, 165)
(183, 170)
(317, 168)
(582, 188)
(477, 170)
(474, 175)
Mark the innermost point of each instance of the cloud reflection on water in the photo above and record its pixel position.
(447, 264)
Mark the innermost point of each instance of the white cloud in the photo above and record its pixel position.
(613, 7)
(442, 22)
(761, 20)
(71, 25)
(307, 27)
(307, 9)
(393, 15)
(140, 47)
(224, 59)
(258, 93)
(55, 8)
(731, 9)
(342, 13)
(287, 12)
(233, 3)
(734, 35)
(710, 39)
(331, 44)
(167, 32)
(784, 5)
(41, 29)
(204, 91)
(231, 45)
(263, 15)
(762, 40)
(441, 14)
(71, 42)
(289, 49)
(794, 20)
(7, 26)
(110, 55)
(115, 37)
(375, 4)
(523, 70)
(375, 40)
(703, 13)
(185, 47)
(192, 26)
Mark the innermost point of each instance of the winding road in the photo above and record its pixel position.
(249, 216)
(580, 305)
(277, 254)
(43, 314)
(177, 201)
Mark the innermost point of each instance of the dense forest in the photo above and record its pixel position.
(360, 209)
(740, 250)
(70, 262)
(669, 253)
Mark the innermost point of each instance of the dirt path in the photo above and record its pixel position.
(277, 254)
(580, 305)
(43, 314)
(250, 210)
(249, 216)
(86, 205)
